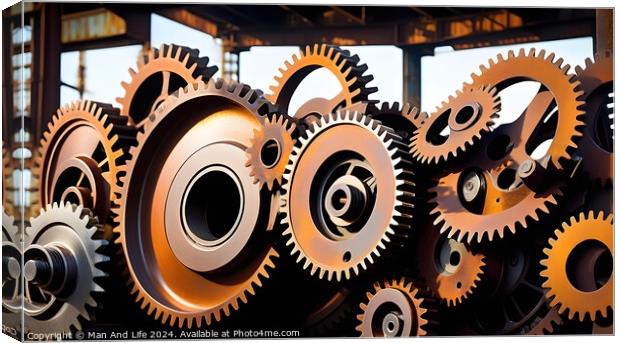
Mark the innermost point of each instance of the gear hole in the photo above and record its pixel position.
(465, 114)
(459, 285)
(506, 178)
(270, 153)
(499, 147)
(455, 258)
(589, 265)
(339, 199)
(346, 257)
(439, 131)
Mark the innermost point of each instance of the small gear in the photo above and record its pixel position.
(81, 156)
(347, 195)
(395, 308)
(62, 268)
(270, 148)
(579, 266)
(403, 120)
(596, 148)
(450, 269)
(544, 325)
(204, 205)
(11, 265)
(331, 313)
(161, 72)
(339, 62)
(468, 116)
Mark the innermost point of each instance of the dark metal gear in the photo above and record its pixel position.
(450, 269)
(270, 149)
(348, 195)
(579, 266)
(191, 216)
(161, 72)
(403, 120)
(544, 325)
(62, 268)
(81, 156)
(468, 116)
(596, 147)
(395, 308)
(344, 66)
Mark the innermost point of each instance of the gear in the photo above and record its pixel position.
(339, 62)
(596, 148)
(270, 148)
(558, 89)
(404, 121)
(395, 309)
(579, 266)
(544, 325)
(62, 268)
(160, 73)
(81, 155)
(11, 265)
(331, 313)
(200, 222)
(450, 269)
(348, 193)
(468, 116)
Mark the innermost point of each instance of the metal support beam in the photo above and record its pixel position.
(604, 30)
(348, 15)
(412, 73)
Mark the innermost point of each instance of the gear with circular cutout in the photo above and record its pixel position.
(395, 308)
(205, 206)
(579, 266)
(347, 195)
(159, 74)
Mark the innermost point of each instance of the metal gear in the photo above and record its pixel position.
(347, 195)
(468, 116)
(62, 268)
(558, 89)
(596, 147)
(395, 308)
(81, 156)
(202, 221)
(403, 120)
(269, 150)
(344, 66)
(544, 325)
(450, 269)
(11, 265)
(160, 73)
(579, 266)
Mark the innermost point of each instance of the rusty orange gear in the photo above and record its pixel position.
(161, 72)
(81, 156)
(201, 222)
(571, 262)
(469, 116)
(395, 308)
(450, 269)
(270, 149)
(339, 62)
(596, 147)
(347, 195)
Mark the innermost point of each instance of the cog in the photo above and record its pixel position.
(343, 174)
(579, 266)
(404, 121)
(544, 325)
(62, 268)
(270, 148)
(161, 72)
(450, 269)
(395, 308)
(81, 156)
(11, 265)
(204, 205)
(339, 62)
(468, 116)
(596, 147)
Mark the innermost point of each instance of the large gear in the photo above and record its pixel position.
(468, 116)
(450, 269)
(395, 308)
(201, 222)
(62, 268)
(81, 156)
(160, 73)
(344, 66)
(579, 266)
(270, 149)
(596, 147)
(348, 195)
